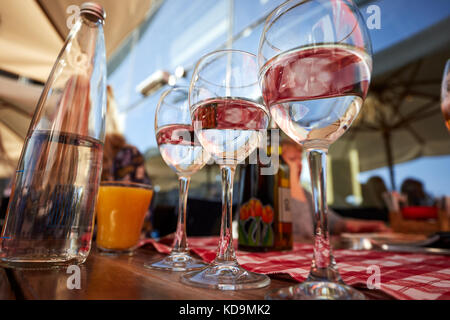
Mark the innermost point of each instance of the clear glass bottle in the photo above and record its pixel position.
(50, 216)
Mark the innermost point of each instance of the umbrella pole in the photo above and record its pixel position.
(389, 156)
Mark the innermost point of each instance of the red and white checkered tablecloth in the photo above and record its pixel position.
(404, 276)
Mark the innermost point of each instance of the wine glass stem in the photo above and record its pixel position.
(225, 251)
(180, 242)
(323, 266)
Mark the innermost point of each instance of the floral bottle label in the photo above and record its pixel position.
(256, 224)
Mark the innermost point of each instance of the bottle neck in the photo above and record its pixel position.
(74, 97)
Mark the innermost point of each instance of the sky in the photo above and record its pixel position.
(173, 38)
(434, 172)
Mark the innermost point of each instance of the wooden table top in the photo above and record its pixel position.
(124, 278)
(6, 292)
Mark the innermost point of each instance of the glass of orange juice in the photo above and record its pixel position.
(121, 209)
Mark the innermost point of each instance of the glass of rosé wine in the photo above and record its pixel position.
(445, 95)
(183, 153)
(315, 60)
(230, 120)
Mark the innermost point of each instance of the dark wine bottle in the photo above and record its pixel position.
(265, 219)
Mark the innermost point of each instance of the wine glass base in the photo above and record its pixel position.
(177, 262)
(225, 277)
(316, 290)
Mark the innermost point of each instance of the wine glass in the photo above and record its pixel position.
(315, 60)
(445, 95)
(182, 153)
(229, 120)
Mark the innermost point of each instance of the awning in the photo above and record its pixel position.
(32, 32)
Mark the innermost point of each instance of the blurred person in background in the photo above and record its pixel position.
(122, 161)
(415, 193)
(302, 202)
(373, 191)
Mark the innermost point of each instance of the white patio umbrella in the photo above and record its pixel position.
(401, 119)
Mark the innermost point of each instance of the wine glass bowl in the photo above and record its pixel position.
(177, 143)
(315, 73)
(182, 152)
(225, 99)
(315, 60)
(229, 119)
(445, 95)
